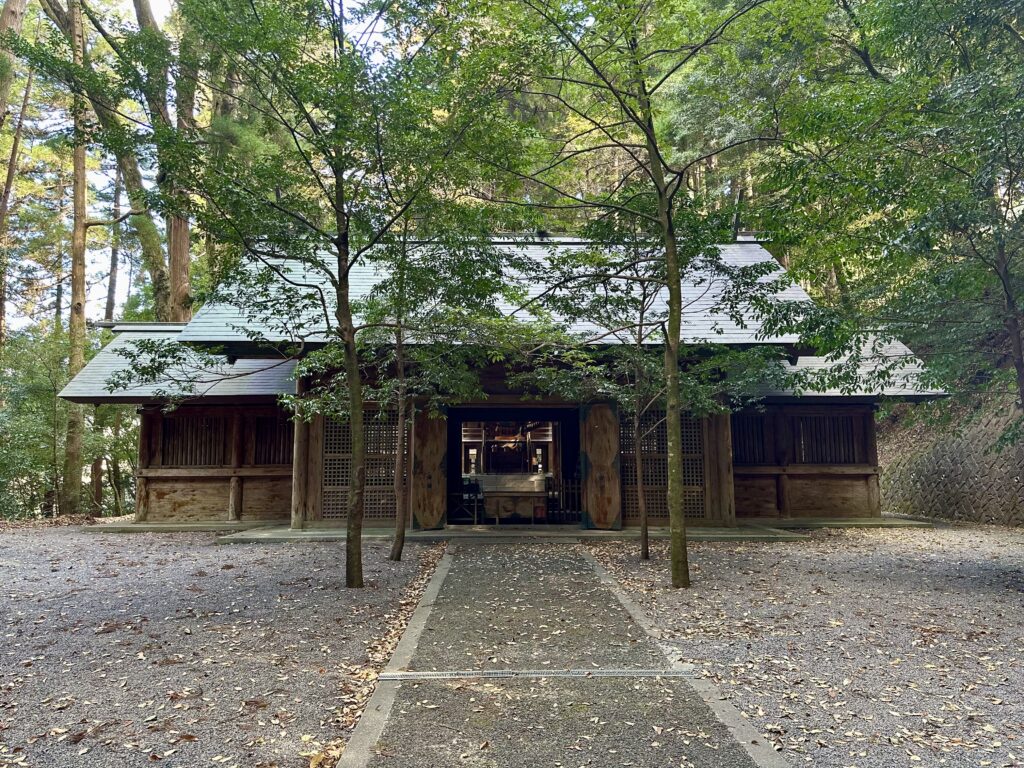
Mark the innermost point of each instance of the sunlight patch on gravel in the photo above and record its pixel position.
(857, 648)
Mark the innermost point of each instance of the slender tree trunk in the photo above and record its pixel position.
(96, 485)
(114, 468)
(5, 205)
(1012, 321)
(354, 387)
(72, 487)
(151, 243)
(400, 450)
(11, 18)
(115, 249)
(680, 566)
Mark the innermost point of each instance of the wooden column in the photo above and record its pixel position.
(145, 460)
(783, 423)
(719, 448)
(874, 488)
(300, 465)
(602, 483)
(235, 487)
(315, 471)
(429, 487)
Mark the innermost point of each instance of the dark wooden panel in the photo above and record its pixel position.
(429, 479)
(185, 500)
(266, 499)
(823, 496)
(602, 489)
(755, 496)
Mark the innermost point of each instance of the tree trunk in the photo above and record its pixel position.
(5, 204)
(354, 387)
(72, 486)
(400, 488)
(150, 241)
(11, 18)
(114, 469)
(680, 566)
(115, 249)
(1012, 321)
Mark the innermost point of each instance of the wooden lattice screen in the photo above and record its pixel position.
(273, 439)
(381, 439)
(655, 450)
(829, 439)
(748, 439)
(195, 441)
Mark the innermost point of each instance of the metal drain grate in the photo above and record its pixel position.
(491, 674)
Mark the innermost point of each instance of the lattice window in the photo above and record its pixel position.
(381, 440)
(654, 447)
(826, 439)
(195, 441)
(748, 439)
(272, 439)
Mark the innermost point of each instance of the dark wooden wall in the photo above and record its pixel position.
(202, 463)
(806, 461)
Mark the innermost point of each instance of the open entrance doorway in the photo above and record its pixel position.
(513, 465)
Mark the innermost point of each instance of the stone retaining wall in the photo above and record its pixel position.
(954, 473)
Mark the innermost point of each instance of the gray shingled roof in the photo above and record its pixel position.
(222, 324)
(703, 321)
(244, 378)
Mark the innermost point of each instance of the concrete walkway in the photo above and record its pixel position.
(525, 654)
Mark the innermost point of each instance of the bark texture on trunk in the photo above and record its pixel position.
(71, 495)
(11, 18)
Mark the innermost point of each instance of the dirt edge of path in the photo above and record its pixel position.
(379, 654)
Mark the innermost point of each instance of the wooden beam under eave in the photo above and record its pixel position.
(300, 465)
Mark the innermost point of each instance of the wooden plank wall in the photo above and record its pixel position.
(214, 463)
(806, 461)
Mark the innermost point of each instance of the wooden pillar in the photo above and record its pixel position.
(315, 471)
(602, 483)
(783, 496)
(783, 429)
(874, 488)
(146, 420)
(235, 486)
(719, 447)
(300, 465)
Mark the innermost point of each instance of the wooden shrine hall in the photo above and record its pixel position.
(229, 451)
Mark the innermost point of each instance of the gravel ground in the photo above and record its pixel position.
(857, 648)
(157, 649)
